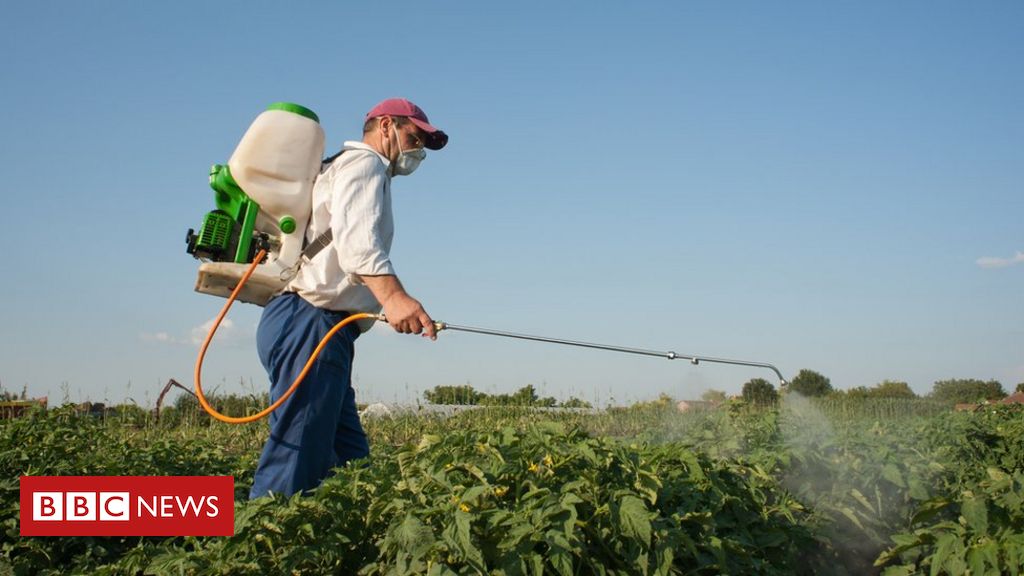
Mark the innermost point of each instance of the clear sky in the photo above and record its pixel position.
(826, 185)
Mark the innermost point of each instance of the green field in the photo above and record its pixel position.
(847, 486)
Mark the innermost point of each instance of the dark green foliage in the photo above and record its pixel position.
(546, 498)
(574, 402)
(810, 384)
(759, 391)
(66, 442)
(467, 396)
(892, 389)
(460, 395)
(966, 391)
(806, 486)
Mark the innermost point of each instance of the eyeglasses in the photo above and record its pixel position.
(416, 135)
(418, 139)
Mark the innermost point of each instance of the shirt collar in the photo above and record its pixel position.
(356, 145)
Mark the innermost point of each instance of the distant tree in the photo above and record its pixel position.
(810, 383)
(461, 395)
(574, 402)
(525, 396)
(759, 391)
(1020, 387)
(967, 390)
(713, 396)
(546, 402)
(892, 389)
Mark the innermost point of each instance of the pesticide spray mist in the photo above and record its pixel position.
(824, 475)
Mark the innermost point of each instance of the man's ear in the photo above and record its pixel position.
(384, 123)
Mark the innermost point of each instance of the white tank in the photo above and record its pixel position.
(275, 164)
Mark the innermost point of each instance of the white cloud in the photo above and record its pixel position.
(994, 262)
(227, 333)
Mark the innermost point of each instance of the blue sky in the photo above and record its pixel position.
(832, 186)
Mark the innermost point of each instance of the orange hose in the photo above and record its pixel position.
(302, 375)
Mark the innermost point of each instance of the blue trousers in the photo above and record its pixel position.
(318, 427)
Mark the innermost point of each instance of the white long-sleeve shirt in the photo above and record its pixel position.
(352, 196)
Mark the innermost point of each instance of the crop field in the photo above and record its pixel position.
(866, 486)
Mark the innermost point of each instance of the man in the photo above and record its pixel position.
(347, 271)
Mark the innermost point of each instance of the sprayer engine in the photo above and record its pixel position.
(227, 233)
(264, 199)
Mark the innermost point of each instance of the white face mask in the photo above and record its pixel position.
(408, 160)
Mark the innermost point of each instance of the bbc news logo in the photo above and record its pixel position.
(127, 506)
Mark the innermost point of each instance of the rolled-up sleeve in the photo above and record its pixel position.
(361, 218)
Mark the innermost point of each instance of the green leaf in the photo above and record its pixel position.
(943, 552)
(441, 570)
(464, 541)
(862, 499)
(427, 441)
(899, 571)
(473, 493)
(918, 488)
(984, 558)
(634, 520)
(664, 557)
(997, 475)
(413, 536)
(929, 509)
(693, 466)
(537, 565)
(975, 511)
(559, 553)
(892, 473)
(851, 516)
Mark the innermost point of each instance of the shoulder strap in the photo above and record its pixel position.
(330, 159)
(309, 251)
(318, 244)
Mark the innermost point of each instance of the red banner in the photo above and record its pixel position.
(127, 506)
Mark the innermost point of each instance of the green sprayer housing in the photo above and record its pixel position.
(214, 236)
(227, 232)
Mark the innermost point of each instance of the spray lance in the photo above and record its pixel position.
(668, 355)
(252, 244)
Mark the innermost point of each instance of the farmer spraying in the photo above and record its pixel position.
(347, 269)
(309, 240)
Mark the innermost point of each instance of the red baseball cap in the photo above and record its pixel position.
(436, 139)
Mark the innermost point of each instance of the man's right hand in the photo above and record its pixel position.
(404, 313)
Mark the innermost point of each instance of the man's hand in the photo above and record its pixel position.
(404, 313)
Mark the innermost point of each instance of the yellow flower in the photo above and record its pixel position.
(548, 461)
(464, 507)
(533, 467)
(500, 491)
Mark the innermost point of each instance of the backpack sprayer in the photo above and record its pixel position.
(252, 244)
(264, 199)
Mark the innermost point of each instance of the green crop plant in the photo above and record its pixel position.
(827, 486)
(979, 531)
